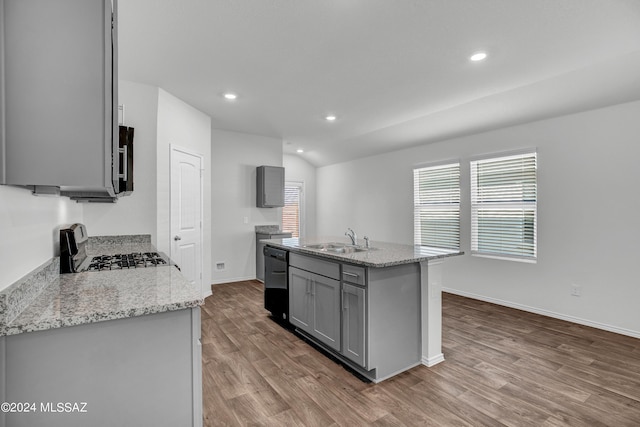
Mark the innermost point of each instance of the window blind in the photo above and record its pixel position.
(291, 210)
(436, 192)
(504, 207)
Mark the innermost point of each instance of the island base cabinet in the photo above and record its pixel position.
(326, 310)
(314, 305)
(136, 371)
(368, 318)
(353, 323)
(393, 319)
(299, 299)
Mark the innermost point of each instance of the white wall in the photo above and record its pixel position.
(136, 213)
(235, 157)
(186, 127)
(29, 230)
(588, 204)
(299, 170)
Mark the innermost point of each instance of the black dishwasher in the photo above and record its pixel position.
(276, 290)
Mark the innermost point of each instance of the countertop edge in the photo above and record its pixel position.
(99, 317)
(355, 261)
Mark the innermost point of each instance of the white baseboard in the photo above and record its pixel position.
(433, 360)
(597, 325)
(233, 279)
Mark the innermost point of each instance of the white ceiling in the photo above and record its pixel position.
(395, 72)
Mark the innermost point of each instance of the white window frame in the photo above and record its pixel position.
(443, 202)
(516, 199)
(301, 206)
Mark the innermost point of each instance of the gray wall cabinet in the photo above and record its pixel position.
(59, 93)
(270, 186)
(138, 371)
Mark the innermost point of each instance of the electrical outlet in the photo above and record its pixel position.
(220, 266)
(575, 290)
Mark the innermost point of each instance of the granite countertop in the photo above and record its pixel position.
(381, 254)
(80, 298)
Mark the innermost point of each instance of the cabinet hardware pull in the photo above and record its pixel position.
(124, 150)
(346, 273)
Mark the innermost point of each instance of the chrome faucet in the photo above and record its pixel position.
(352, 235)
(366, 242)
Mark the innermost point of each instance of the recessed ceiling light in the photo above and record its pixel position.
(299, 150)
(230, 96)
(479, 56)
(330, 118)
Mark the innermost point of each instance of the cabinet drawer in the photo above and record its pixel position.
(353, 274)
(315, 265)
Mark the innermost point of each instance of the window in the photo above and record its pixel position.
(292, 210)
(504, 207)
(436, 194)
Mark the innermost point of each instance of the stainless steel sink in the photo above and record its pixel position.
(338, 248)
(348, 249)
(324, 246)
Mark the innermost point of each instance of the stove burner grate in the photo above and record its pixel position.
(122, 261)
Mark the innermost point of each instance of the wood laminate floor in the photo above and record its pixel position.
(502, 367)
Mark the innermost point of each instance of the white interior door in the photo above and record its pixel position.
(186, 214)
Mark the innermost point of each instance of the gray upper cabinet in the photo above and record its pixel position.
(270, 187)
(59, 95)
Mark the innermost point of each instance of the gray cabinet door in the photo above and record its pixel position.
(60, 93)
(326, 310)
(300, 299)
(270, 186)
(137, 371)
(353, 323)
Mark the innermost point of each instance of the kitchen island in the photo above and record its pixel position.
(376, 309)
(113, 347)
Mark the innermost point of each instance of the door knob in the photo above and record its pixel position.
(176, 238)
